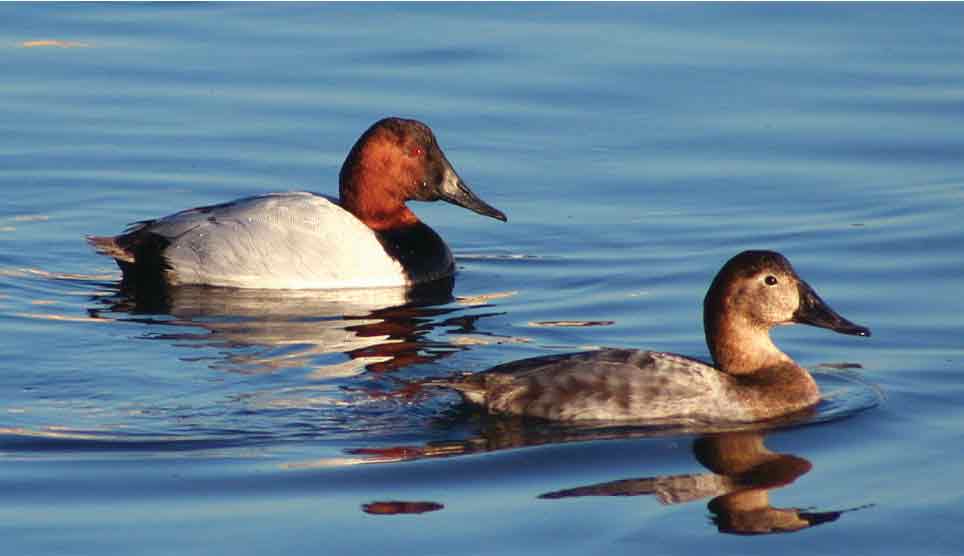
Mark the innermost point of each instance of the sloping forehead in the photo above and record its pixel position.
(751, 263)
(400, 131)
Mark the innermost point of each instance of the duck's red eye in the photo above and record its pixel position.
(417, 152)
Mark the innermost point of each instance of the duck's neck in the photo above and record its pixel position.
(771, 382)
(369, 192)
(742, 348)
(378, 213)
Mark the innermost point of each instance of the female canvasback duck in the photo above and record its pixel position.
(298, 240)
(752, 379)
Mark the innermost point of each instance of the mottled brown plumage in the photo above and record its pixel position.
(752, 380)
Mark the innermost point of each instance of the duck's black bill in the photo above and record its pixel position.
(455, 191)
(815, 312)
(819, 518)
(463, 197)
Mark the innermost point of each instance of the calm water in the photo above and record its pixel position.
(634, 148)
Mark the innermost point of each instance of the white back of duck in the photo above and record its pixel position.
(294, 240)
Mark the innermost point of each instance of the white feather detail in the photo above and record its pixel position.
(294, 240)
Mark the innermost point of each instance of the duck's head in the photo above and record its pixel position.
(398, 160)
(755, 291)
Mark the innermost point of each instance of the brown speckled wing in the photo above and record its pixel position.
(604, 385)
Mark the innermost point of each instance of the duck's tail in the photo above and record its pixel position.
(111, 247)
(470, 385)
(125, 247)
(411, 389)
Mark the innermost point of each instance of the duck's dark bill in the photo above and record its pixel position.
(815, 312)
(463, 197)
(455, 191)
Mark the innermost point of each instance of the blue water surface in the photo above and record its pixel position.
(634, 148)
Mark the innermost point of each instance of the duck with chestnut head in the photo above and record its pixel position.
(367, 238)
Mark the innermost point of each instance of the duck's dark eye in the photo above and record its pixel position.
(771, 280)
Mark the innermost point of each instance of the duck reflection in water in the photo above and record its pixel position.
(400, 507)
(742, 473)
(336, 333)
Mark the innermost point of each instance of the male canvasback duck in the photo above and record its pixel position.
(298, 240)
(752, 379)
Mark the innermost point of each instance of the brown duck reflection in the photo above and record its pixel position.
(743, 473)
(268, 330)
(400, 507)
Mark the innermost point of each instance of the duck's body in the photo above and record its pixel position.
(294, 240)
(299, 240)
(752, 379)
(651, 386)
